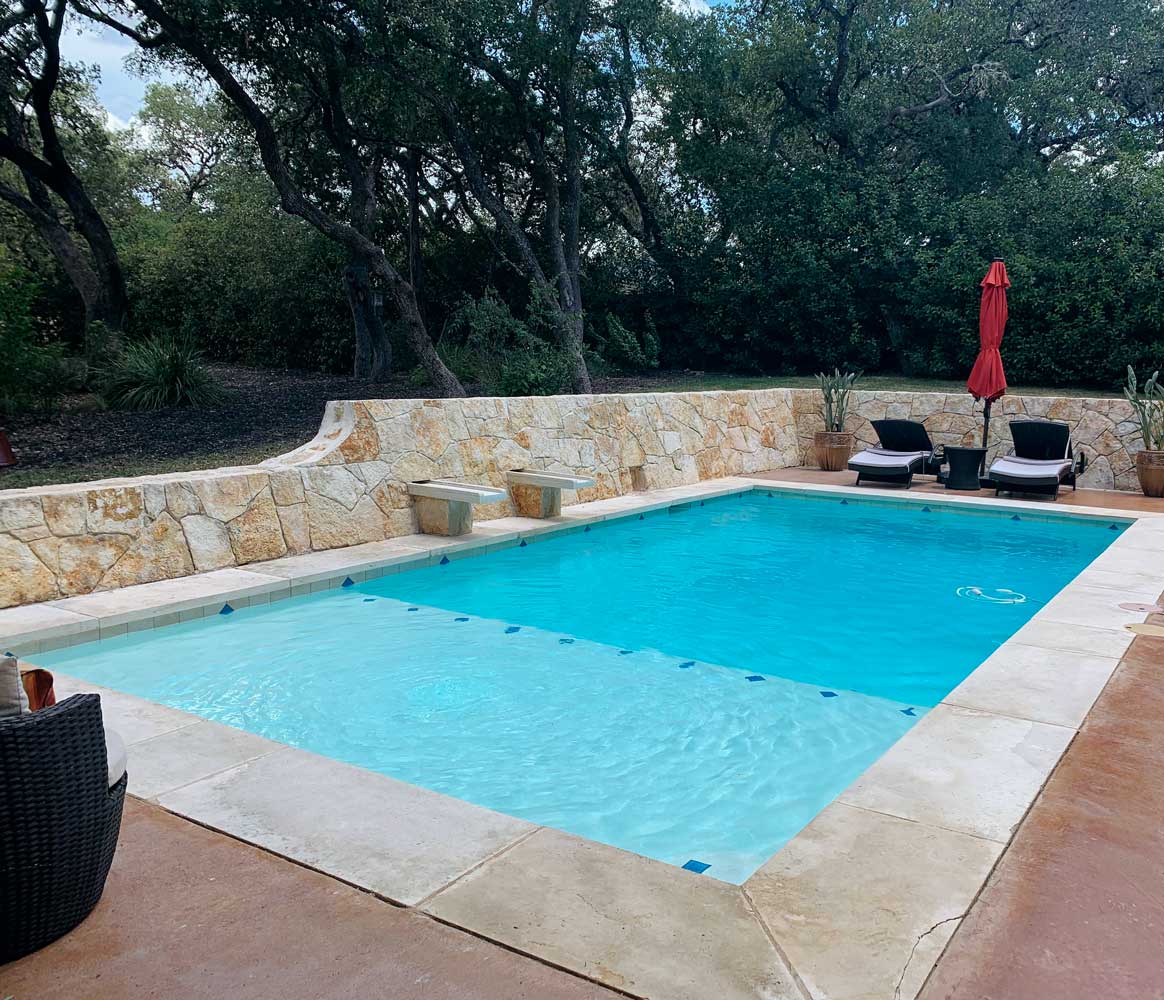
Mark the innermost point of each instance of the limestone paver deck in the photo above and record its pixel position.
(1075, 908)
(398, 840)
(189, 914)
(624, 920)
(951, 790)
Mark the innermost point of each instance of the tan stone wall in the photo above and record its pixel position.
(348, 485)
(1104, 430)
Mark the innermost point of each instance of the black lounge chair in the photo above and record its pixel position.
(1042, 461)
(905, 451)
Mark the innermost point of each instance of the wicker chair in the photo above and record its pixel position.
(59, 820)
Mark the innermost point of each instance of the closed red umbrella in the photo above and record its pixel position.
(987, 379)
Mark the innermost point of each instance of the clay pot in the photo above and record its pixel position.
(1150, 469)
(833, 449)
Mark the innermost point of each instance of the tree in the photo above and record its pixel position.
(285, 68)
(40, 98)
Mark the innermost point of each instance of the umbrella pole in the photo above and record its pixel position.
(985, 434)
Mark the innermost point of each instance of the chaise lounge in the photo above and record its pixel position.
(1042, 461)
(905, 450)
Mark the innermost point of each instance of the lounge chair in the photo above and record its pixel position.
(905, 450)
(1042, 461)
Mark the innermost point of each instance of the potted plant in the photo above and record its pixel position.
(834, 444)
(1148, 403)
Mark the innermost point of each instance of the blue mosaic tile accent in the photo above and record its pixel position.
(844, 503)
(695, 866)
(348, 582)
(226, 610)
(926, 510)
(909, 711)
(700, 503)
(414, 609)
(828, 694)
(460, 619)
(369, 600)
(1016, 518)
(587, 528)
(641, 517)
(512, 629)
(1114, 527)
(565, 642)
(444, 560)
(753, 677)
(687, 665)
(625, 652)
(522, 544)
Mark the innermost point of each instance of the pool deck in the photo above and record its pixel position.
(860, 905)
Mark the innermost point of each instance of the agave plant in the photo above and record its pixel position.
(1148, 403)
(835, 390)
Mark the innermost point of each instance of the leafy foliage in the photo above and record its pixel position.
(31, 371)
(1148, 403)
(159, 373)
(835, 392)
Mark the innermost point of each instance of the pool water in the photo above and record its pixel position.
(693, 685)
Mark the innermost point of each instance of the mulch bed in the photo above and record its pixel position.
(266, 413)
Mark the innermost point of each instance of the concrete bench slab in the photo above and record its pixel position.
(539, 494)
(445, 507)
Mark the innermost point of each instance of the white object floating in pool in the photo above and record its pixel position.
(999, 595)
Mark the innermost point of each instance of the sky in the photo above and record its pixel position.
(120, 89)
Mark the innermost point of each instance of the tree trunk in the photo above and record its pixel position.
(570, 340)
(445, 383)
(373, 349)
(415, 258)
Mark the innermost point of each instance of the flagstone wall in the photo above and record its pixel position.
(349, 484)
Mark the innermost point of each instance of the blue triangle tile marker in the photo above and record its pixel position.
(444, 560)
(700, 503)
(828, 694)
(926, 510)
(769, 496)
(226, 610)
(348, 582)
(909, 711)
(687, 665)
(512, 629)
(753, 677)
(587, 528)
(844, 503)
(1114, 527)
(522, 544)
(640, 517)
(565, 642)
(460, 619)
(695, 866)
(1016, 518)
(369, 600)
(414, 609)
(625, 652)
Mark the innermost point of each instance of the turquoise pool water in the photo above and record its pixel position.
(694, 685)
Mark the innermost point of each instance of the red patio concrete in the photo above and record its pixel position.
(189, 913)
(1075, 908)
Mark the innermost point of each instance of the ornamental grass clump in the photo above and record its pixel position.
(158, 373)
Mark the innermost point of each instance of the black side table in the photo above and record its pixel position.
(964, 466)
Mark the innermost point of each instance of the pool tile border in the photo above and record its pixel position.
(1007, 740)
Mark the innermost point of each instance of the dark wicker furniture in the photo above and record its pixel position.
(1042, 462)
(905, 451)
(59, 821)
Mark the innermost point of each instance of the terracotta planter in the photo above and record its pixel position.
(833, 449)
(1150, 469)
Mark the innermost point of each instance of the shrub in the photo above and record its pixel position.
(536, 370)
(160, 372)
(625, 350)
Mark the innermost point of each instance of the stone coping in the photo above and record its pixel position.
(860, 904)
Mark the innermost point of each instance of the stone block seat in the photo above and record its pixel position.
(445, 507)
(539, 494)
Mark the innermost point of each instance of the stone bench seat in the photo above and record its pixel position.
(539, 494)
(445, 507)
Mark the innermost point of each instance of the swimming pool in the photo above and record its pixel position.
(694, 685)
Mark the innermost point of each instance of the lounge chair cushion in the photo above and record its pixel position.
(886, 460)
(13, 697)
(114, 756)
(1046, 470)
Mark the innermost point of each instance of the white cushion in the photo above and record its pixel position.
(114, 756)
(883, 458)
(1031, 468)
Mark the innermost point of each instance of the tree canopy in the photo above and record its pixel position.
(538, 187)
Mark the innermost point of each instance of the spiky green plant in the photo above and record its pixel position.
(835, 390)
(1148, 403)
(160, 372)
